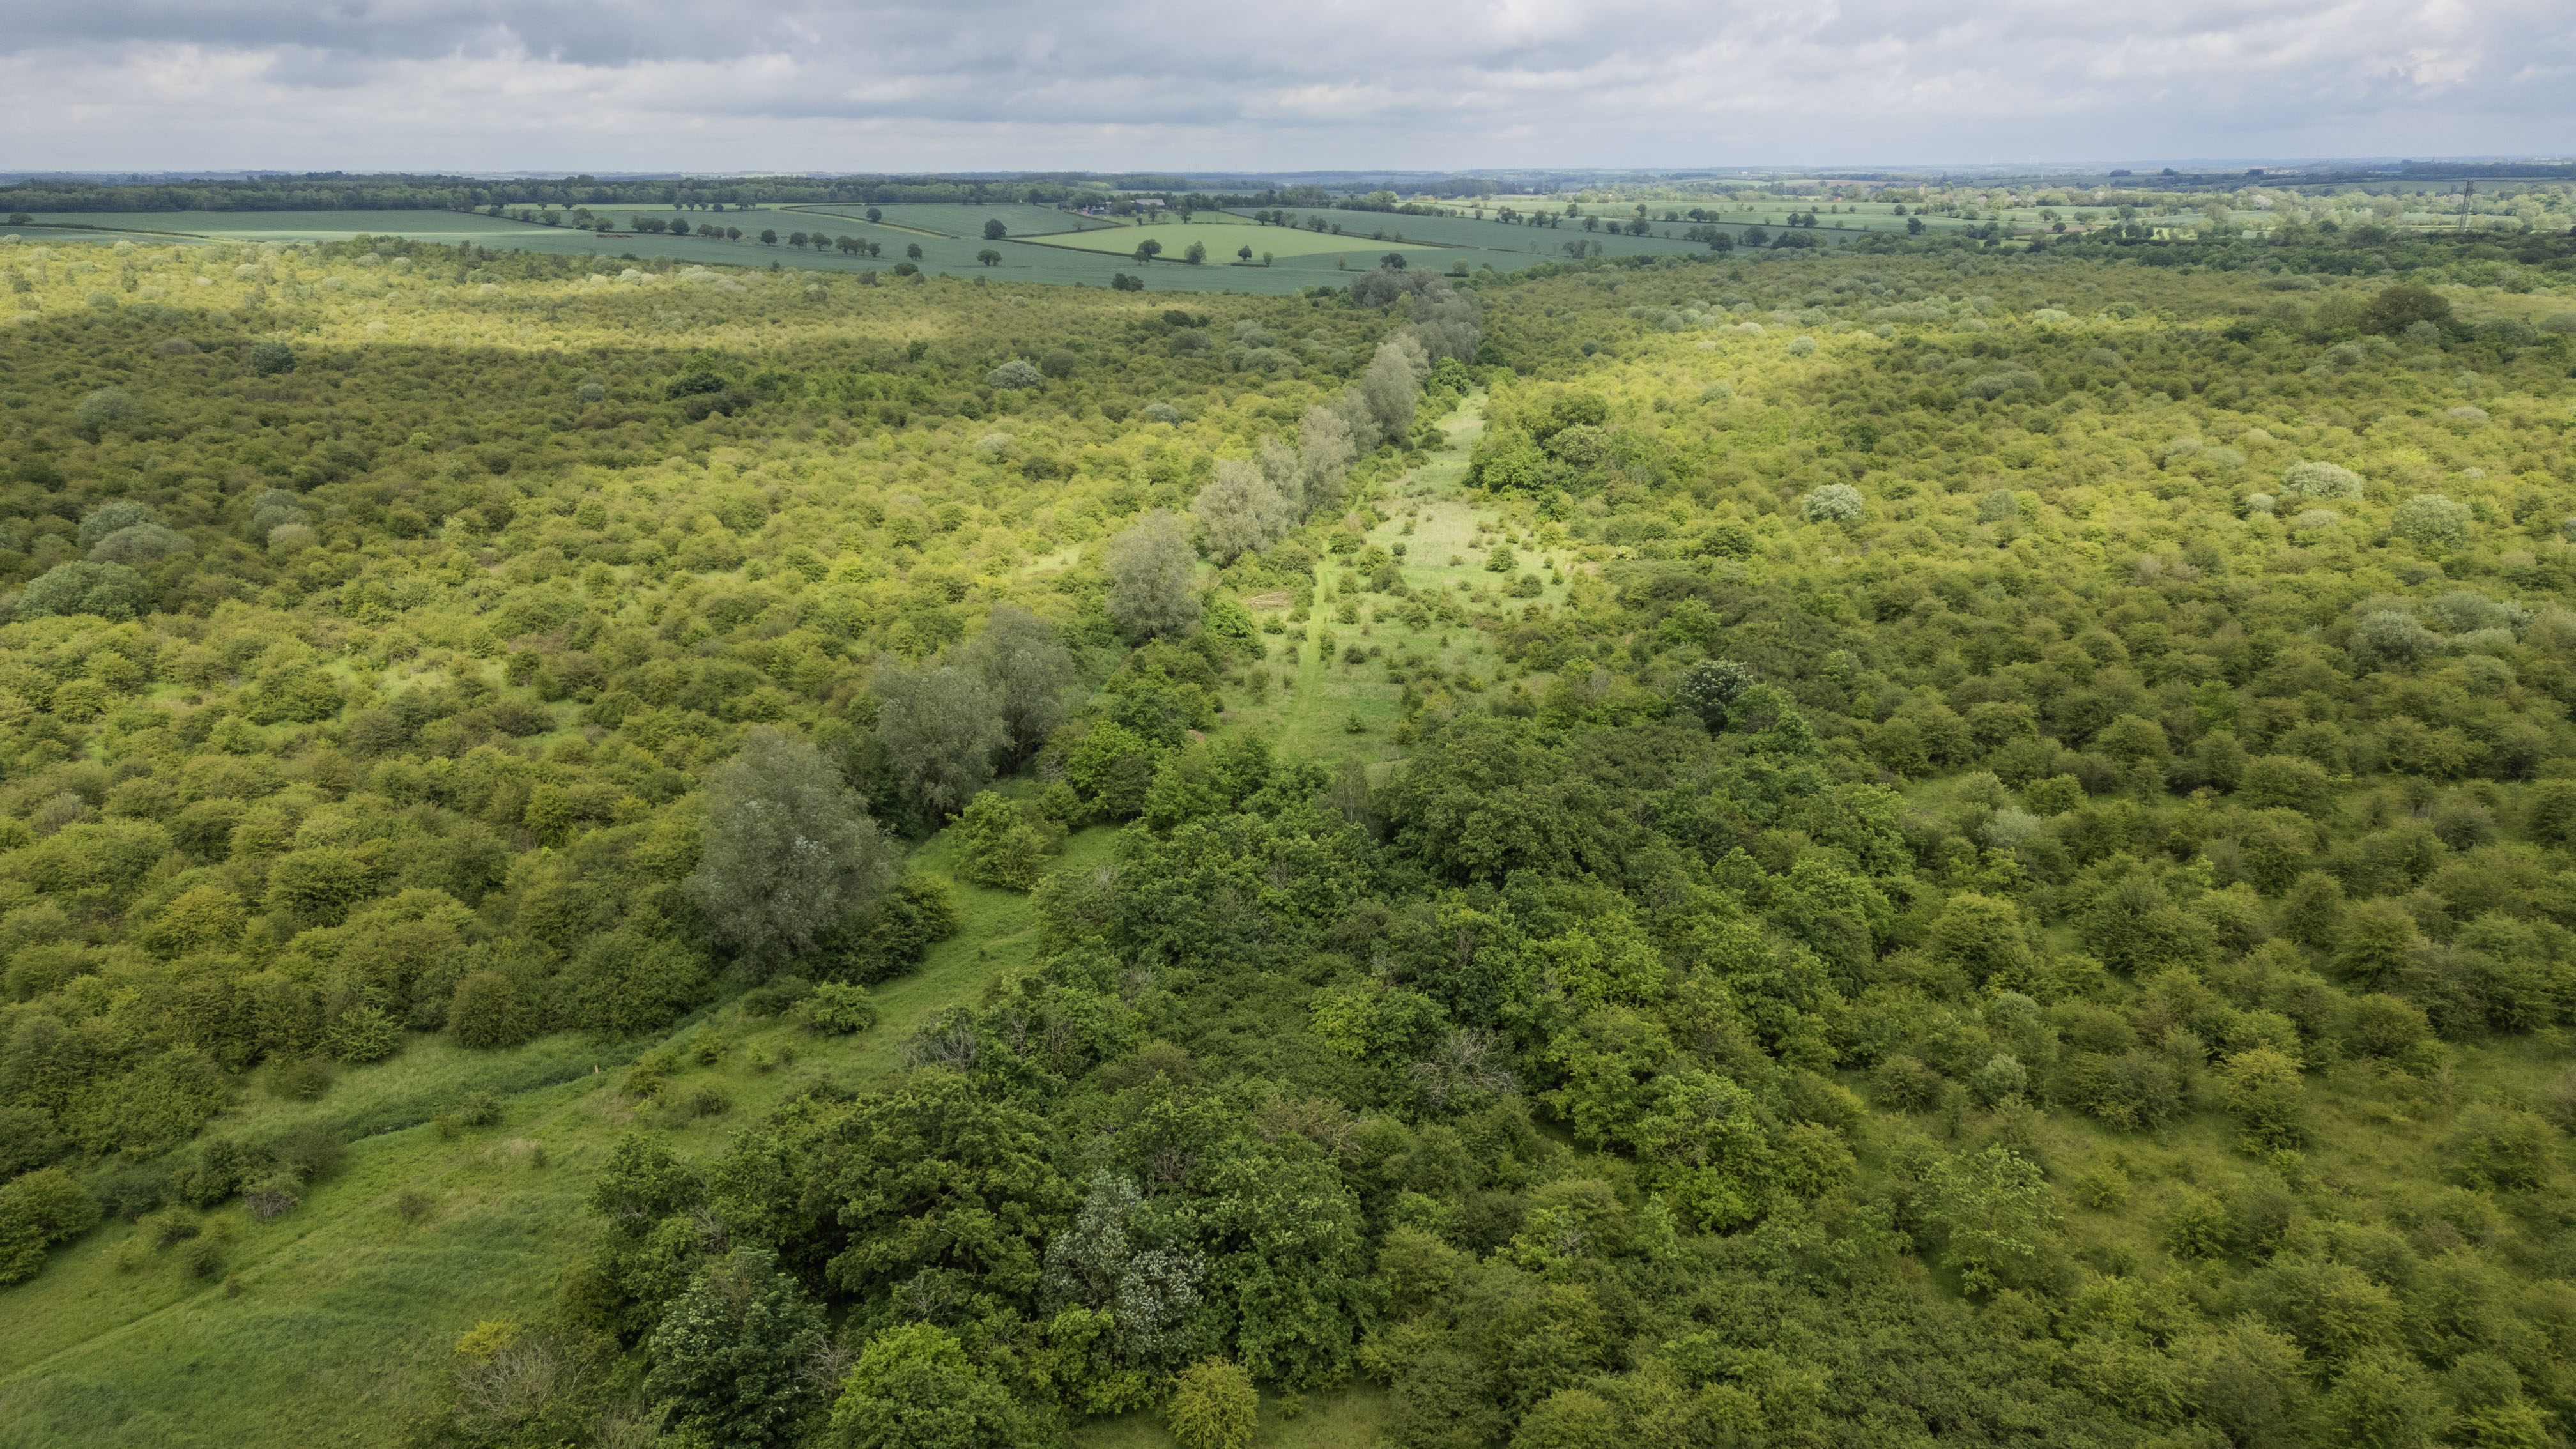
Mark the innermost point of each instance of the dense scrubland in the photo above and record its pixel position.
(1939, 843)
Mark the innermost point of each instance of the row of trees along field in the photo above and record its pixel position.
(2022, 893)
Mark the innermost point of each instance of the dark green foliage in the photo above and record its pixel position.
(891, 936)
(735, 1353)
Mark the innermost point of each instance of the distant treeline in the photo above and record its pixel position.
(337, 192)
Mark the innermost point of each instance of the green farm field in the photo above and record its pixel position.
(1222, 241)
(961, 222)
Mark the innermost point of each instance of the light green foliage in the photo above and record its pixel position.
(839, 1008)
(914, 1388)
(1993, 1207)
(1213, 1406)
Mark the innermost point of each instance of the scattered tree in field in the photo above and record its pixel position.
(912, 252)
(989, 257)
(1001, 844)
(995, 231)
(789, 851)
(1148, 249)
(1150, 567)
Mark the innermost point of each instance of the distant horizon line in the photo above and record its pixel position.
(1187, 174)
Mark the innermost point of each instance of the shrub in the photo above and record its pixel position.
(268, 359)
(999, 844)
(488, 1010)
(1015, 375)
(38, 1210)
(1214, 1406)
(110, 590)
(113, 517)
(2498, 1146)
(839, 1008)
(2267, 1097)
(2320, 480)
(109, 407)
(2432, 521)
(1833, 503)
(1907, 1085)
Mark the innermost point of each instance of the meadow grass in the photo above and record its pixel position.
(1344, 1418)
(1319, 699)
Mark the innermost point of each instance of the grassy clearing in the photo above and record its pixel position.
(1341, 1419)
(1437, 522)
(321, 1323)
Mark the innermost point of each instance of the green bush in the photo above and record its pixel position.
(839, 1009)
(37, 1211)
(1214, 1406)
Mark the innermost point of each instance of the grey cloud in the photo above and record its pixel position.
(1000, 83)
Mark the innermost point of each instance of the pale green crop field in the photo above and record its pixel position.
(1222, 241)
(963, 222)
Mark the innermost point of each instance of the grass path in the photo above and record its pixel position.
(1448, 536)
(325, 1322)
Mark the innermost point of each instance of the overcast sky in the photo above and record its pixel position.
(587, 85)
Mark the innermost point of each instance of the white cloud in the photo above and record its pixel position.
(992, 84)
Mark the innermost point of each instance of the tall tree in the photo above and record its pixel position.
(1149, 577)
(941, 730)
(789, 849)
(1029, 670)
